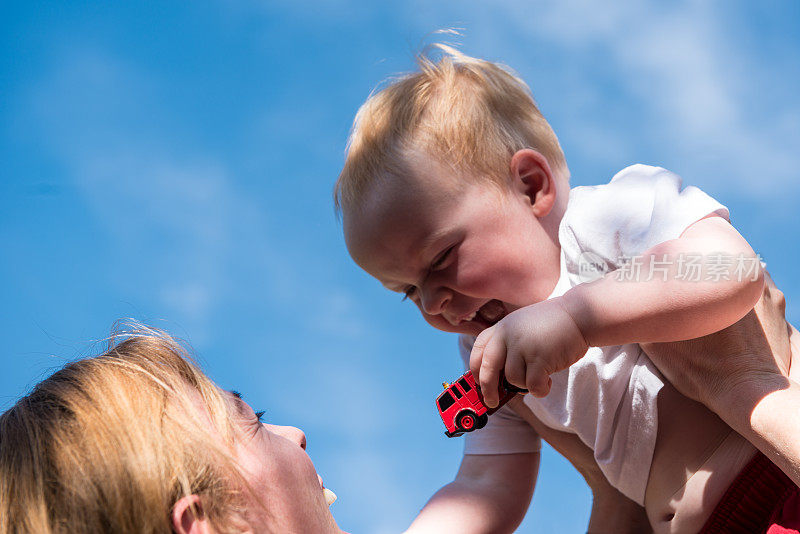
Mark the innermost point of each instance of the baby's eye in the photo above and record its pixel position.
(409, 292)
(441, 259)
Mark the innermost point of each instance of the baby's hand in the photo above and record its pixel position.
(528, 345)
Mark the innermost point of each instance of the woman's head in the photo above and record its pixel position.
(138, 439)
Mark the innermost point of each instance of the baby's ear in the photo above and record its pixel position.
(188, 517)
(531, 176)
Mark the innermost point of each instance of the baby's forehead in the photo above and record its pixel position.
(386, 238)
(378, 229)
(420, 202)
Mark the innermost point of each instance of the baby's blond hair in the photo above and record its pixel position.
(469, 113)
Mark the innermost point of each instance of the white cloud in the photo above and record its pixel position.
(384, 504)
(190, 300)
(174, 219)
(687, 71)
(333, 315)
(168, 209)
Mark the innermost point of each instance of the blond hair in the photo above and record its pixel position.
(110, 443)
(469, 113)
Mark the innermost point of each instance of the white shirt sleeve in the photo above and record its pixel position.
(639, 208)
(506, 432)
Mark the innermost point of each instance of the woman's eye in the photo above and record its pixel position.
(408, 292)
(260, 416)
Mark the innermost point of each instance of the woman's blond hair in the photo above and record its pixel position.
(469, 113)
(109, 444)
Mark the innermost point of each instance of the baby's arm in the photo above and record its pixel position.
(667, 307)
(536, 341)
(490, 494)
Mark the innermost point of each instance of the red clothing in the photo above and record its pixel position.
(762, 500)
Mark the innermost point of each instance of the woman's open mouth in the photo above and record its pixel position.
(330, 497)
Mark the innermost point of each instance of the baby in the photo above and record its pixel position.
(455, 193)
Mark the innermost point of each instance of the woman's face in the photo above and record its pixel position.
(275, 464)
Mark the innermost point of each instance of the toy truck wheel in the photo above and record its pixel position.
(482, 420)
(467, 421)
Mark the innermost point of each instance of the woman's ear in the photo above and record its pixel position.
(532, 177)
(188, 518)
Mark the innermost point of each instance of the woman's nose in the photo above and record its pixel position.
(291, 433)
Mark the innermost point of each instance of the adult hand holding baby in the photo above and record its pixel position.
(756, 350)
(527, 346)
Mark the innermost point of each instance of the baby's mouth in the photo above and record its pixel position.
(488, 314)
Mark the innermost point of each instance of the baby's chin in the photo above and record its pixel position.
(471, 328)
(440, 323)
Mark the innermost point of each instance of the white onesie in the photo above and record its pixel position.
(608, 397)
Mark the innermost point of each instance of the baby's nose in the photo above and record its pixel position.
(435, 301)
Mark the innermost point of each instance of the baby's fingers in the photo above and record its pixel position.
(476, 356)
(486, 362)
(538, 381)
(515, 371)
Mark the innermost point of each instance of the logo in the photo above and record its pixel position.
(591, 267)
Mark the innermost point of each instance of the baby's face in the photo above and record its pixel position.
(465, 252)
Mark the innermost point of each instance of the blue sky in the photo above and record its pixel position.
(173, 162)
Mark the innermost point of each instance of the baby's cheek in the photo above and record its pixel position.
(489, 269)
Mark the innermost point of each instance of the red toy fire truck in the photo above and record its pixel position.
(461, 404)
